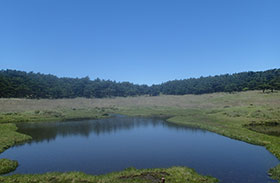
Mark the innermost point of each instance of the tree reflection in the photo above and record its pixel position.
(48, 131)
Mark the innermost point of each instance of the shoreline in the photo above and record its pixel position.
(226, 121)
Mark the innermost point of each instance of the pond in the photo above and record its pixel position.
(113, 144)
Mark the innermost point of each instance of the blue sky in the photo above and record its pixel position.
(141, 41)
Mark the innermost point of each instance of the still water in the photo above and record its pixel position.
(106, 145)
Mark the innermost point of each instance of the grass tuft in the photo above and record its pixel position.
(275, 172)
(7, 166)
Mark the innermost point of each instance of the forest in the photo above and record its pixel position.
(20, 84)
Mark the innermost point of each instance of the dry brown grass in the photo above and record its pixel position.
(185, 101)
(215, 100)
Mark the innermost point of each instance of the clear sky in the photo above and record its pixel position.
(141, 41)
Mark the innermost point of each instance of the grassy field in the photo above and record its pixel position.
(237, 115)
(215, 100)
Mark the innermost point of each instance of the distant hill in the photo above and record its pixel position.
(20, 84)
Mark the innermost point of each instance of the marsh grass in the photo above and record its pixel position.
(7, 166)
(9, 136)
(131, 175)
(56, 115)
(270, 128)
(275, 172)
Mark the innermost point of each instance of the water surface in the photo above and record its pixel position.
(106, 145)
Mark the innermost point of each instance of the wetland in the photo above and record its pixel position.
(113, 144)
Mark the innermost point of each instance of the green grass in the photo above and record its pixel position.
(9, 136)
(7, 166)
(130, 175)
(275, 172)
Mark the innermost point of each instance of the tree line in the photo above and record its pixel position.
(243, 81)
(20, 84)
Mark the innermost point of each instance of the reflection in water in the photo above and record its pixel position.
(48, 131)
(106, 145)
